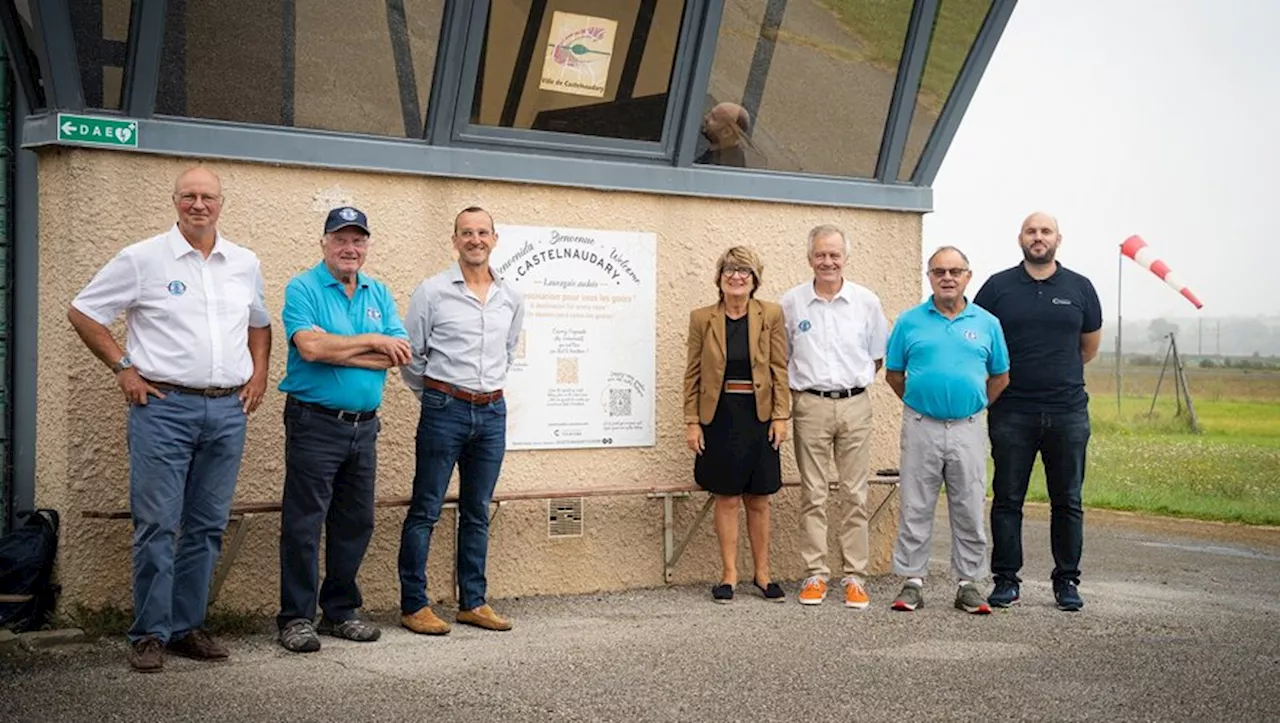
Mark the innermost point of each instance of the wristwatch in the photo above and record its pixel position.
(124, 363)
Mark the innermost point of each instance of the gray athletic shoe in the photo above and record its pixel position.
(970, 600)
(909, 599)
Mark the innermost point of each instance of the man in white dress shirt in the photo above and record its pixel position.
(195, 365)
(836, 334)
(463, 325)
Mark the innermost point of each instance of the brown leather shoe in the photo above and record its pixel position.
(197, 645)
(425, 622)
(147, 655)
(483, 617)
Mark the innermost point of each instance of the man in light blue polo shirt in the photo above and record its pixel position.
(947, 361)
(344, 333)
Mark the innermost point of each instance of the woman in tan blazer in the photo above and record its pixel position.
(736, 406)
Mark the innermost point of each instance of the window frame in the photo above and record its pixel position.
(450, 146)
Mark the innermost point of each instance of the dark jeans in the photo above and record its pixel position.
(1061, 440)
(474, 437)
(329, 482)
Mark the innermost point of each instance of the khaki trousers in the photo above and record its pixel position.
(824, 427)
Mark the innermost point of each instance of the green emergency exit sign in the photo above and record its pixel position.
(102, 131)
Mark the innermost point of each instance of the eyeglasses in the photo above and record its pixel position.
(739, 271)
(189, 199)
(953, 273)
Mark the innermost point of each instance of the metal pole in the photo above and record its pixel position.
(1119, 334)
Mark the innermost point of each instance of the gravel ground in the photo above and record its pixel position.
(1182, 622)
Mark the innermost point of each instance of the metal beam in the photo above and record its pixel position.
(142, 64)
(58, 67)
(897, 125)
(402, 54)
(446, 78)
(704, 49)
(25, 321)
(975, 64)
(762, 58)
(25, 67)
(236, 141)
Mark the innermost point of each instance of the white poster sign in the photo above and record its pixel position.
(584, 372)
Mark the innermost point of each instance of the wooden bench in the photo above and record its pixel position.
(244, 513)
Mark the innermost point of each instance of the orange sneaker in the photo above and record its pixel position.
(813, 591)
(855, 596)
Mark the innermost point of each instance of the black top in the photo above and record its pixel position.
(737, 351)
(1042, 322)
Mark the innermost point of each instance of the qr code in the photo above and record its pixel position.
(567, 370)
(619, 402)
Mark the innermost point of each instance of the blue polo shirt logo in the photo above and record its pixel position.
(177, 288)
(970, 334)
(1062, 302)
(373, 313)
(805, 325)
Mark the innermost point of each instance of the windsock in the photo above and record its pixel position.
(1135, 248)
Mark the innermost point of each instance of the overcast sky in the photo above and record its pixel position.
(1154, 117)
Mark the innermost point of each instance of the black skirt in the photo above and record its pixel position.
(737, 458)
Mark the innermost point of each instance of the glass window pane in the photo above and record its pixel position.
(954, 31)
(591, 67)
(814, 78)
(364, 69)
(101, 32)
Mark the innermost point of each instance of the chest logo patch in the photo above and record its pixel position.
(373, 313)
(177, 288)
(1061, 302)
(804, 325)
(970, 334)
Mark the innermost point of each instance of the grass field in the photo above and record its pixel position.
(1229, 472)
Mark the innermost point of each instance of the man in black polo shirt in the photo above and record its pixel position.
(1052, 323)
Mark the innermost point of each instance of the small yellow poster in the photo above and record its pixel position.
(579, 49)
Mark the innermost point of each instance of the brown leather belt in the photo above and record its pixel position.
(465, 395)
(739, 387)
(210, 392)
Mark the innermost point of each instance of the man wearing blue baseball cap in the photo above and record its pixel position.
(344, 333)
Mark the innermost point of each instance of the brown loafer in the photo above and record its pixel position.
(197, 645)
(146, 655)
(483, 617)
(425, 622)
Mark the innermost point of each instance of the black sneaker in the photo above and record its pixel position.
(361, 631)
(1004, 595)
(1068, 597)
(299, 636)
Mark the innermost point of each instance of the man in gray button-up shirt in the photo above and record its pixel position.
(463, 324)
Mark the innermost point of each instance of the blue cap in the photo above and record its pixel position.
(346, 216)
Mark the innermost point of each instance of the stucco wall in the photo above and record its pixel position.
(92, 203)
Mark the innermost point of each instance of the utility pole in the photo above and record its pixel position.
(1199, 336)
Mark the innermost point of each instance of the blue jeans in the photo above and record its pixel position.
(1061, 440)
(330, 468)
(474, 437)
(184, 457)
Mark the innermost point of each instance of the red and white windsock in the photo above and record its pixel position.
(1135, 248)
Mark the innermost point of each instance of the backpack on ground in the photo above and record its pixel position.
(27, 554)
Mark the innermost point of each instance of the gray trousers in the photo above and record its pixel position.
(936, 451)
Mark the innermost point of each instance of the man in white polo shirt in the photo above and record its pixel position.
(199, 339)
(836, 334)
